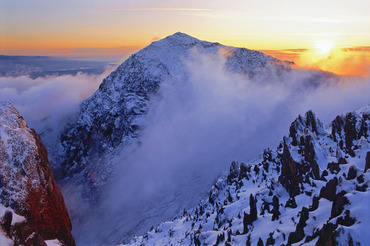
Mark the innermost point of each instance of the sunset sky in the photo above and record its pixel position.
(117, 28)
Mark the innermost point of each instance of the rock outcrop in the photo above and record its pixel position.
(27, 184)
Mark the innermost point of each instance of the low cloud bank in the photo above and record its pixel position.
(47, 103)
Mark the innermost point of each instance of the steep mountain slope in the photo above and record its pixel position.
(312, 190)
(31, 204)
(114, 115)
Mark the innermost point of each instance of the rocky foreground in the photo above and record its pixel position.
(31, 205)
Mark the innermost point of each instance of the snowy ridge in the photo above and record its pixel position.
(312, 190)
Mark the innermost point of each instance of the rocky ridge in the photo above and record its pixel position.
(312, 190)
(32, 205)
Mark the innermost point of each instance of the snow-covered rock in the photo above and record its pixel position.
(31, 205)
(302, 193)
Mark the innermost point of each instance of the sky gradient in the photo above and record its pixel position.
(117, 28)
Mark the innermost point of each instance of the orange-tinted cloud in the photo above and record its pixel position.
(342, 61)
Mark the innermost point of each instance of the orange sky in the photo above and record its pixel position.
(112, 29)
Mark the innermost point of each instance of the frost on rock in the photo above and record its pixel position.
(302, 193)
(27, 186)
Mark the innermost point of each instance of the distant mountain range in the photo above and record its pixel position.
(42, 66)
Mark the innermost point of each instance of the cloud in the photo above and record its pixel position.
(196, 126)
(153, 9)
(46, 103)
(342, 61)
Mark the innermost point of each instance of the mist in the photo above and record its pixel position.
(48, 103)
(195, 127)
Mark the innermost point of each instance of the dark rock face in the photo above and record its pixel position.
(275, 209)
(337, 127)
(352, 172)
(252, 216)
(8, 216)
(330, 189)
(338, 204)
(289, 173)
(349, 128)
(309, 155)
(304, 123)
(367, 165)
(311, 121)
(298, 235)
(28, 185)
(327, 235)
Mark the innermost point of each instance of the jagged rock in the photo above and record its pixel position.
(346, 220)
(352, 172)
(311, 121)
(298, 235)
(260, 242)
(302, 124)
(291, 203)
(315, 203)
(27, 182)
(350, 130)
(364, 128)
(275, 210)
(367, 164)
(252, 216)
(327, 235)
(234, 171)
(7, 221)
(342, 161)
(270, 240)
(337, 126)
(330, 189)
(289, 175)
(338, 204)
(333, 167)
(309, 155)
(253, 207)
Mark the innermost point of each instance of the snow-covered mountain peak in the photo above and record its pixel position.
(114, 114)
(178, 38)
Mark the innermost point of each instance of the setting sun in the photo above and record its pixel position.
(323, 47)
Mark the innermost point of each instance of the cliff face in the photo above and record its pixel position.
(27, 185)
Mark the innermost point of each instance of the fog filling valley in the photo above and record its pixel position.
(195, 127)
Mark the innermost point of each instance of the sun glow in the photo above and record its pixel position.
(323, 47)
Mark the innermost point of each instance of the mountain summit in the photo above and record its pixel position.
(115, 114)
